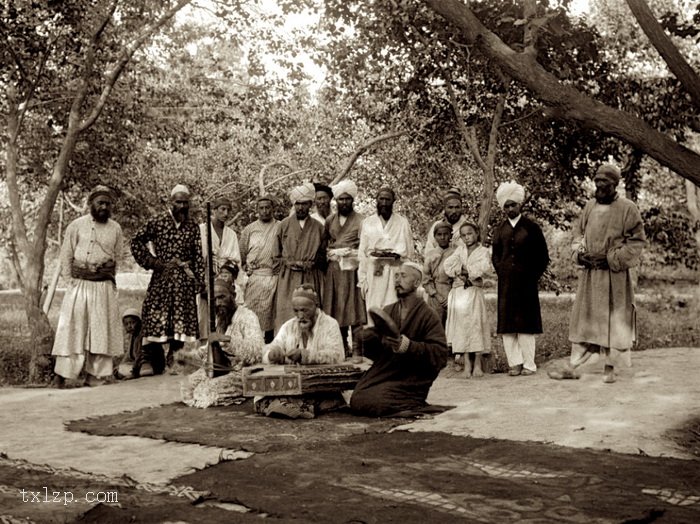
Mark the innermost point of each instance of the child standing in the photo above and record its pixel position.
(468, 328)
(436, 283)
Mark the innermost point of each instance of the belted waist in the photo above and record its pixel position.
(100, 273)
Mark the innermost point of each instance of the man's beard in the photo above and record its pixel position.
(101, 216)
(345, 210)
(181, 215)
(224, 314)
(452, 218)
(604, 198)
(402, 293)
(385, 211)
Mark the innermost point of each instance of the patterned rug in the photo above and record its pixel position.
(235, 427)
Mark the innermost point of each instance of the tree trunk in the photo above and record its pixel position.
(566, 102)
(41, 332)
(693, 199)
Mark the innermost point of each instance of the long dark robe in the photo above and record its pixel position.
(170, 307)
(299, 246)
(520, 257)
(341, 297)
(401, 381)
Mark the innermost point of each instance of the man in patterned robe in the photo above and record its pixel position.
(89, 331)
(342, 298)
(301, 241)
(260, 261)
(170, 309)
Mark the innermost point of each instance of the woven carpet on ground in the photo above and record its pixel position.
(434, 477)
(234, 427)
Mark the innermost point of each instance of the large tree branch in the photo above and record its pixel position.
(126, 55)
(261, 175)
(350, 162)
(668, 51)
(569, 102)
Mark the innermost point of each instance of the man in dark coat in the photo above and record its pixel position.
(405, 366)
(520, 258)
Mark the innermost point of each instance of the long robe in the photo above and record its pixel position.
(90, 320)
(342, 298)
(436, 283)
(520, 257)
(468, 329)
(376, 276)
(259, 259)
(401, 381)
(431, 244)
(604, 311)
(170, 308)
(305, 247)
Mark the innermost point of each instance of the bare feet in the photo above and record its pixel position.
(459, 362)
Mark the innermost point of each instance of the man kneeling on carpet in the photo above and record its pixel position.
(406, 362)
(310, 337)
(239, 335)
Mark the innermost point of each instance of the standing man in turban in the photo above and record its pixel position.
(608, 241)
(342, 298)
(89, 331)
(520, 257)
(322, 199)
(170, 308)
(260, 261)
(454, 216)
(302, 246)
(405, 364)
(385, 241)
(224, 244)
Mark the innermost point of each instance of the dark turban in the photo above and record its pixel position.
(323, 188)
(100, 191)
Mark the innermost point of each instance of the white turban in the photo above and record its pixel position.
(179, 189)
(343, 187)
(510, 191)
(303, 193)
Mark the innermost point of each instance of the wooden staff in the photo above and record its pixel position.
(217, 362)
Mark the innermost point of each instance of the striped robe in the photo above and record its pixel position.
(342, 298)
(259, 259)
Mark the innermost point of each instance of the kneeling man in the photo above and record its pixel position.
(405, 366)
(310, 337)
(240, 338)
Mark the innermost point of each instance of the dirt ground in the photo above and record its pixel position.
(610, 453)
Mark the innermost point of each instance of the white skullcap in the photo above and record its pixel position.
(303, 193)
(180, 188)
(510, 191)
(343, 187)
(131, 312)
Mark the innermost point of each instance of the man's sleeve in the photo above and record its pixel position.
(243, 247)
(197, 260)
(278, 342)
(627, 254)
(70, 239)
(139, 247)
(497, 250)
(432, 349)
(577, 242)
(541, 251)
(248, 342)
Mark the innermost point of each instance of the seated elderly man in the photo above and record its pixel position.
(239, 335)
(311, 337)
(405, 364)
